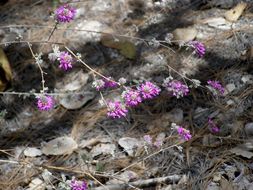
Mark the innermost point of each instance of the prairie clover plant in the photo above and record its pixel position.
(100, 84)
(132, 97)
(199, 48)
(213, 126)
(65, 13)
(65, 60)
(175, 87)
(148, 139)
(116, 109)
(45, 102)
(183, 133)
(148, 90)
(75, 185)
(215, 87)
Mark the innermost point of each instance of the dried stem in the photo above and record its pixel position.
(41, 71)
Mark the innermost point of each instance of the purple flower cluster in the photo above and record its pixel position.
(65, 13)
(110, 83)
(45, 103)
(148, 139)
(65, 60)
(177, 88)
(184, 133)
(101, 84)
(216, 85)
(212, 126)
(149, 90)
(116, 109)
(75, 185)
(98, 84)
(132, 97)
(199, 48)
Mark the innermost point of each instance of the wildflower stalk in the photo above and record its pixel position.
(41, 71)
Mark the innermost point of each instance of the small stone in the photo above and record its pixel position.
(32, 152)
(37, 184)
(129, 144)
(230, 102)
(249, 128)
(230, 87)
(247, 79)
(60, 146)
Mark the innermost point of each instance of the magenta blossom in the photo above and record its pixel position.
(149, 90)
(116, 109)
(131, 97)
(110, 83)
(65, 13)
(98, 84)
(177, 88)
(199, 48)
(216, 85)
(75, 185)
(213, 127)
(65, 60)
(184, 133)
(45, 103)
(148, 139)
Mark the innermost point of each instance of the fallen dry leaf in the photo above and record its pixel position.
(243, 150)
(233, 14)
(73, 81)
(75, 101)
(218, 22)
(125, 47)
(94, 141)
(59, 146)
(129, 144)
(104, 149)
(184, 34)
(5, 71)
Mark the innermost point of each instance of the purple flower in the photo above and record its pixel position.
(65, 61)
(132, 97)
(184, 133)
(213, 127)
(110, 83)
(216, 85)
(98, 84)
(75, 185)
(148, 139)
(149, 90)
(65, 13)
(45, 103)
(116, 109)
(158, 143)
(199, 48)
(177, 88)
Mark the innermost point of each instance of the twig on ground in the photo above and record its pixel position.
(143, 183)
